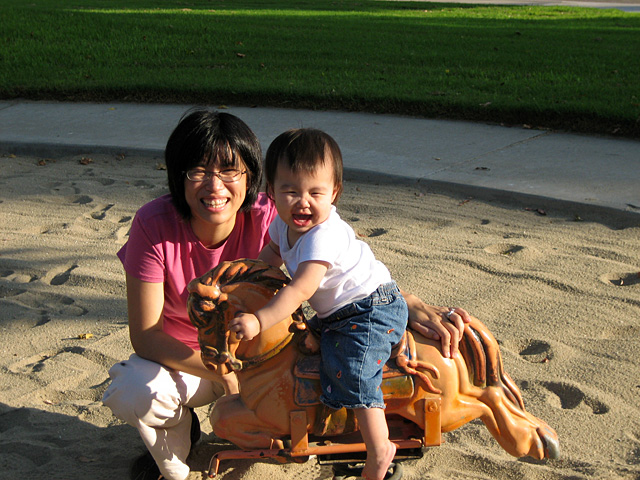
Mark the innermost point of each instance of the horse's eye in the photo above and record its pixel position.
(207, 305)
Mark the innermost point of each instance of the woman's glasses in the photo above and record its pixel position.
(229, 175)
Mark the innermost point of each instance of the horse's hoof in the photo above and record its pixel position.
(550, 440)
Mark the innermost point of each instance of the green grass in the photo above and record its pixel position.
(555, 67)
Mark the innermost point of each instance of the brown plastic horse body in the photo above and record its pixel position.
(470, 386)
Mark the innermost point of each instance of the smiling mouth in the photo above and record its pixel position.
(301, 220)
(215, 204)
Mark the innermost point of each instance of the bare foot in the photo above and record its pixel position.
(310, 344)
(376, 468)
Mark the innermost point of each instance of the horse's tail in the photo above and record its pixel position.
(481, 353)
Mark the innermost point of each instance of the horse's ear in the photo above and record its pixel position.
(306, 340)
(298, 317)
(296, 325)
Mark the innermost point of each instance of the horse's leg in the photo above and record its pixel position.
(259, 416)
(518, 432)
(231, 420)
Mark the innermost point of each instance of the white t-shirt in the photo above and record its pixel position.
(353, 272)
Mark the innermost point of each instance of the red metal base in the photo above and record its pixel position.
(408, 437)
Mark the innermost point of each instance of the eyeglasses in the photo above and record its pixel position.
(229, 175)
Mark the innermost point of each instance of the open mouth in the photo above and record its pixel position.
(301, 220)
(221, 361)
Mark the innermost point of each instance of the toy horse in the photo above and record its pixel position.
(278, 402)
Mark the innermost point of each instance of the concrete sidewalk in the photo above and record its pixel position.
(596, 171)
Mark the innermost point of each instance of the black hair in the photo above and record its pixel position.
(204, 137)
(304, 149)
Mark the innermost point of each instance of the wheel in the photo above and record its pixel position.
(342, 471)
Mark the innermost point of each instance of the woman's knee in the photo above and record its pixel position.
(141, 390)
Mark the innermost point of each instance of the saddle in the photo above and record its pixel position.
(397, 383)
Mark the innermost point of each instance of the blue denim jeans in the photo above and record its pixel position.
(355, 344)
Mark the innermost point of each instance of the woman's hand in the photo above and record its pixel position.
(437, 323)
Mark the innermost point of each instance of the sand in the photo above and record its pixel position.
(558, 285)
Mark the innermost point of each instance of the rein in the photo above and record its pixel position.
(263, 357)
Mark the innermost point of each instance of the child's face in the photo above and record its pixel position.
(303, 199)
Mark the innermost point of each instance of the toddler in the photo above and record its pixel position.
(361, 314)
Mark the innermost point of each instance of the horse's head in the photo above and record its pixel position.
(215, 298)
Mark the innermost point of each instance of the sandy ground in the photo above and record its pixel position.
(560, 291)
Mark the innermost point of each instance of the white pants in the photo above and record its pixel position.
(155, 400)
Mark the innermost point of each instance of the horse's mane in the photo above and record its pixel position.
(484, 362)
(249, 271)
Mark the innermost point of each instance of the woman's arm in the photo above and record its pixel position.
(270, 253)
(435, 323)
(145, 303)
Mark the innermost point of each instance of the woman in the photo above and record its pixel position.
(214, 213)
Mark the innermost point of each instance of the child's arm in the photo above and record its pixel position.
(304, 284)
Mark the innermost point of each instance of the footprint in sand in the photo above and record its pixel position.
(18, 316)
(60, 277)
(122, 222)
(17, 277)
(70, 373)
(572, 397)
(537, 351)
(101, 212)
(10, 291)
(80, 199)
(372, 232)
(143, 184)
(55, 228)
(59, 188)
(633, 457)
(40, 452)
(505, 249)
(104, 181)
(51, 368)
(122, 233)
(622, 279)
(124, 230)
(27, 308)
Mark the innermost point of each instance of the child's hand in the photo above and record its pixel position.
(246, 326)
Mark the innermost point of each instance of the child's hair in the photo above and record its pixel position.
(304, 150)
(205, 137)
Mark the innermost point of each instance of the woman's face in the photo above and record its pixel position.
(214, 204)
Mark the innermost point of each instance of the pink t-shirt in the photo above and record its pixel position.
(163, 248)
